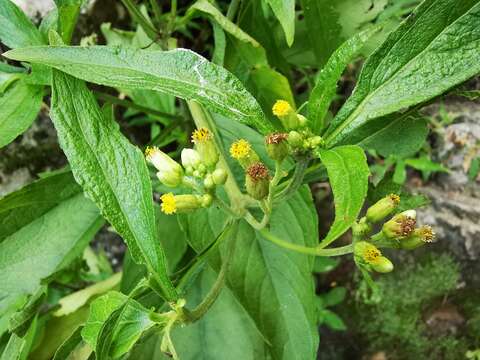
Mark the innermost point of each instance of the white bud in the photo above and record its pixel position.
(410, 213)
(169, 171)
(190, 158)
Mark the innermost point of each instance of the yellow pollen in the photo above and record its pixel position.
(395, 198)
(428, 235)
(150, 150)
(240, 149)
(372, 255)
(202, 134)
(168, 203)
(281, 108)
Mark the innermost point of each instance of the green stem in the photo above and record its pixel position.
(315, 251)
(294, 183)
(232, 9)
(130, 104)
(217, 287)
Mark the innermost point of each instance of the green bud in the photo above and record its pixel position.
(382, 208)
(277, 146)
(205, 146)
(419, 237)
(208, 182)
(207, 200)
(315, 141)
(401, 225)
(219, 176)
(371, 257)
(257, 181)
(170, 173)
(295, 139)
(180, 203)
(302, 120)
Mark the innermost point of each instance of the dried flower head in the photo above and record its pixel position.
(258, 171)
(276, 138)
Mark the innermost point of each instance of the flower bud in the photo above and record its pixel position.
(277, 146)
(295, 139)
(204, 144)
(242, 151)
(286, 114)
(169, 172)
(382, 208)
(219, 176)
(208, 182)
(257, 181)
(190, 158)
(401, 225)
(371, 256)
(419, 237)
(180, 203)
(302, 120)
(206, 200)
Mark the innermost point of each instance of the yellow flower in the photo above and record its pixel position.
(240, 149)
(149, 151)
(201, 135)
(371, 254)
(169, 205)
(281, 108)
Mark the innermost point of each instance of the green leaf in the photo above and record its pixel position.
(121, 319)
(68, 11)
(325, 88)
(284, 10)
(425, 164)
(332, 320)
(211, 337)
(400, 172)
(111, 171)
(44, 245)
(334, 296)
(179, 72)
(348, 174)
(19, 106)
(16, 30)
(397, 75)
(24, 206)
(69, 345)
(411, 129)
(230, 27)
(21, 320)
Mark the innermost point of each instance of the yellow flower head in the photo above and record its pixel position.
(201, 135)
(371, 254)
(281, 108)
(427, 233)
(240, 149)
(394, 198)
(169, 205)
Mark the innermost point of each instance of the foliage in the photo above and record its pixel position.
(231, 247)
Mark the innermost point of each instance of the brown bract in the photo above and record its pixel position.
(276, 138)
(257, 171)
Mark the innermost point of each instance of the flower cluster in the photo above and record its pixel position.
(399, 232)
(198, 171)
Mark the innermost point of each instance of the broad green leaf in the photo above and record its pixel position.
(19, 106)
(225, 332)
(436, 48)
(24, 206)
(348, 174)
(69, 345)
(16, 30)
(45, 245)
(68, 11)
(20, 321)
(329, 23)
(131, 322)
(14, 348)
(111, 171)
(179, 72)
(377, 135)
(230, 27)
(284, 10)
(326, 85)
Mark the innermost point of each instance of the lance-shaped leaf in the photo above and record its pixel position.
(179, 72)
(16, 29)
(111, 171)
(348, 174)
(325, 88)
(437, 47)
(19, 106)
(284, 10)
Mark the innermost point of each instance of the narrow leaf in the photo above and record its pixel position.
(348, 174)
(68, 11)
(111, 171)
(325, 88)
(284, 10)
(179, 72)
(435, 48)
